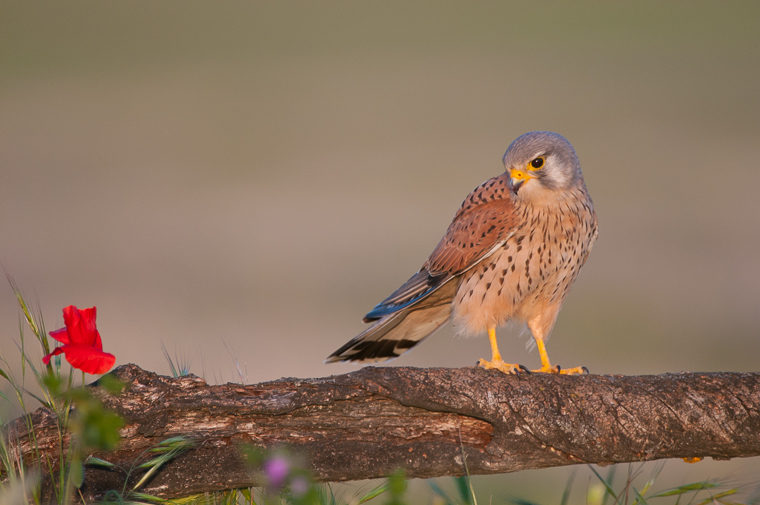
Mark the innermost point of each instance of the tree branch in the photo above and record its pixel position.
(368, 423)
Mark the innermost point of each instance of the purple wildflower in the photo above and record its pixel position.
(299, 486)
(276, 470)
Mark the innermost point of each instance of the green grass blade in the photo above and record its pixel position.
(91, 460)
(607, 486)
(465, 490)
(688, 488)
(176, 445)
(174, 440)
(44, 403)
(639, 498)
(145, 477)
(568, 487)
(719, 496)
(382, 488)
(157, 461)
(438, 491)
(469, 498)
(149, 497)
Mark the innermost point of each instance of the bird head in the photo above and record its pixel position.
(540, 163)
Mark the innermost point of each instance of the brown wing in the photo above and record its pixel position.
(485, 220)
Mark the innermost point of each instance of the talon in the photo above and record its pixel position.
(548, 369)
(498, 364)
(579, 370)
(524, 369)
(496, 361)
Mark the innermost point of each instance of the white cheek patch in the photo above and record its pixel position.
(556, 175)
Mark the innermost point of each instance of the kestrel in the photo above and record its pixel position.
(513, 250)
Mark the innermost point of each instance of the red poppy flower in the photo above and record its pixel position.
(81, 342)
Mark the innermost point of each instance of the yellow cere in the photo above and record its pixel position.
(519, 174)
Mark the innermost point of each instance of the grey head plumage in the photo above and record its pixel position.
(546, 159)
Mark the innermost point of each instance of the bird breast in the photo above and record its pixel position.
(533, 271)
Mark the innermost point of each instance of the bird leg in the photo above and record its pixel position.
(496, 361)
(547, 367)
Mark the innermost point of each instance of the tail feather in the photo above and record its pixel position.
(396, 333)
(419, 286)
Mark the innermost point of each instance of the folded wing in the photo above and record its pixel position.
(422, 304)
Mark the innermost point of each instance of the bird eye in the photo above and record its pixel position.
(537, 163)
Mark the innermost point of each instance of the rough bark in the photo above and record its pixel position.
(368, 423)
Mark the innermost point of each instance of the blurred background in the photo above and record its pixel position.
(242, 181)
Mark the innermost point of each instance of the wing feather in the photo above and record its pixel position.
(486, 218)
(422, 304)
(483, 222)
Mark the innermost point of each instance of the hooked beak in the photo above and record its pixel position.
(519, 177)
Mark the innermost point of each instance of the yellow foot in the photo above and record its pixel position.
(579, 370)
(498, 364)
(695, 459)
